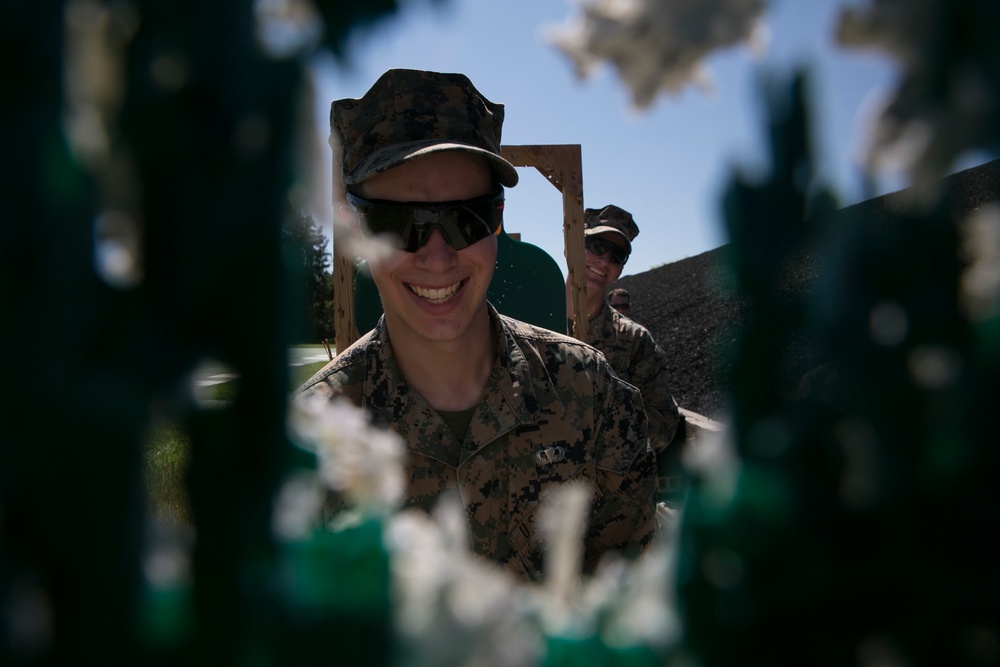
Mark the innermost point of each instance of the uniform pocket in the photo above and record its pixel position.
(526, 536)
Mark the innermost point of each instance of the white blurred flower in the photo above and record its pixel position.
(980, 287)
(348, 238)
(97, 35)
(946, 101)
(641, 610)
(298, 507)
(563, 521)
(627, 603)
(935, 366)
(286, 28)
(356, 459)
(658, 46)
(667, 519)
(716, 462)
(453, 607)
(423, 563)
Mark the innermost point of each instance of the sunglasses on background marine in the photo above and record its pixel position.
(408, 225)
(599, 246)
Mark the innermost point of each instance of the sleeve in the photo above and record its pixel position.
(649, 374)
(624, 509)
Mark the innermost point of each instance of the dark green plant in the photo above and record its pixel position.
(308, 262)
(847, 528)
(189, 179)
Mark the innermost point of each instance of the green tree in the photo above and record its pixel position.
(309, 268)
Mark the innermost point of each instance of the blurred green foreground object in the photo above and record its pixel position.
(850, 524)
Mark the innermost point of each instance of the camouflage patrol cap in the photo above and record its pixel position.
(610, 219)
(409, 113)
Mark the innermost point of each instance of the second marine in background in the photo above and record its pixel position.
(629, 347)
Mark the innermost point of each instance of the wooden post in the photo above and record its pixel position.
(344, 330)
(562, 166)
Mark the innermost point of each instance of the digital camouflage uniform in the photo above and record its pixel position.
(410, 113)
(640, 361)
(553, 412)
(636, 357)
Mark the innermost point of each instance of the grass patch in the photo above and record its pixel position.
(167, 453)
(299, 374)
(226, 391)
(169, 448)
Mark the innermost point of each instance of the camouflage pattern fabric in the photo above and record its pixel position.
(611, 218)
(409, 113)
(553, 412)
(637, 359)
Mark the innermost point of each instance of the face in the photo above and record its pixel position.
(601, 271)
(621, 304)
(437, 291)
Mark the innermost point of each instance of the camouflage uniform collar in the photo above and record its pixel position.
(509, 399)
(380, 363)
(600, 314)
(508, 394)
(510, 383)
(604, 325)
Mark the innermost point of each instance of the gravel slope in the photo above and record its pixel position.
(692, 315)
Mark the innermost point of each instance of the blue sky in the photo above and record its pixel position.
(667, 164)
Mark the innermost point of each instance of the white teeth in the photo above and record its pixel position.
(435, 295)
(593, 270)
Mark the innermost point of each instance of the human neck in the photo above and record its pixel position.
(450, 375)
(595, 301)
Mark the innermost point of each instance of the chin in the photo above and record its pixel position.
(444, 332)
(595, 283)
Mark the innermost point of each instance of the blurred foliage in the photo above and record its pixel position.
(848, 525)
(309, 263)
(147, 164)
(148, 159)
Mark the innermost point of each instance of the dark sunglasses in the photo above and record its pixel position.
(408, 225)
(619, 306)
(599, 246)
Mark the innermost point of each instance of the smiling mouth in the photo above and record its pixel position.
(435, 296)
(593, 270)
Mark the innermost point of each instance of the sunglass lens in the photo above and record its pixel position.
(464, 225)
(409, 226)
(600, 246)
(392, 224)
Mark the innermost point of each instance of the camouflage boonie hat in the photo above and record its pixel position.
(610, 219)
(409, 113)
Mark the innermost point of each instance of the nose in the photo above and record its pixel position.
(604, 258)
(436, 253)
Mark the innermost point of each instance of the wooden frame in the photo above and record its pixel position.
(562, 166)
